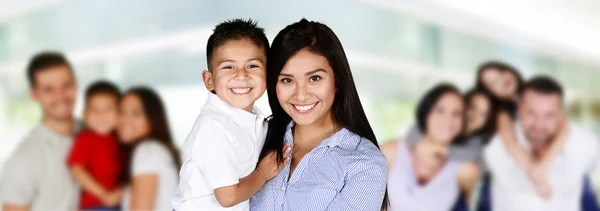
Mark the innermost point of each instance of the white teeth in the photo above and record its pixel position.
(240, 90)
(305, 107)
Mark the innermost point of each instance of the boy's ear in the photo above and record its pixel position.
(208, 81)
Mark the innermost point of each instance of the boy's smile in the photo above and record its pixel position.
(238, 73)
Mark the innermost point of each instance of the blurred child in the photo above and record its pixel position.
(221, 152)
(95, 158)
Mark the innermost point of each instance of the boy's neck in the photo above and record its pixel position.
(249, 108)
(61, 127)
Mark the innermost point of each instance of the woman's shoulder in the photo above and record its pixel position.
(150, 148)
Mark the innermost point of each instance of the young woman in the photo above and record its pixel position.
(335, 161)
(152, 160)
(421, 172)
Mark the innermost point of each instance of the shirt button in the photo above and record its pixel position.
(283, 187)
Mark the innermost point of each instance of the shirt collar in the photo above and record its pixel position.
(239, 116)
(344, 138)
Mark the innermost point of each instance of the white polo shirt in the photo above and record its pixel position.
(222, 147)
(512, 189)
(37, 174)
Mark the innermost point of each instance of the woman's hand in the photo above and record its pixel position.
(269, 166)
(537, 175)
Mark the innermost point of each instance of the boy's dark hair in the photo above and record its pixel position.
(102, 87)
(43, 61)
(235, 29)
(542, 84)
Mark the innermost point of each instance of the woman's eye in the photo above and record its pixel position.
(286, 80)
(252, 66)
(315, 78)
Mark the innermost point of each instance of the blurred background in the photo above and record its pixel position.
(397, 49)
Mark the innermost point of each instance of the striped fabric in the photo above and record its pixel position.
(345, 172)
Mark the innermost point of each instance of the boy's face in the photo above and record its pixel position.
(238, 73)
(101, 113)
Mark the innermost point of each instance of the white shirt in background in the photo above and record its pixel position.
(151, 157)
(512, 189)
(222, 147)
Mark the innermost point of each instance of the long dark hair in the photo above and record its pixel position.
(489, 127)
(503, 104)
(347, 109)
(428, 102)
(159, 130)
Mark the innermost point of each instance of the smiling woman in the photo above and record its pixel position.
(335, 163)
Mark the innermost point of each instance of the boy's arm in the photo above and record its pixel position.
(78, 157)
(231, 195)
(218, 160)
(88, 183)
(248, 186)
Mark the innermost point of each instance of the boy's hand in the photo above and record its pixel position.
(113, 198)
(269, 166)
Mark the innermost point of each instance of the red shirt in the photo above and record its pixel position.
(100, 156)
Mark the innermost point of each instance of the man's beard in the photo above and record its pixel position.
(539, 142)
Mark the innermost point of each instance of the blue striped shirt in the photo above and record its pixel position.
(345, 172)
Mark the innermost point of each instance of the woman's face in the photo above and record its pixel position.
(445, 120)
(478, 110)
(306, 88)
(133, 123)
(502, 84)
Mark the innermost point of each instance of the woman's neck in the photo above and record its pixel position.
(61, 127)
(310, 136)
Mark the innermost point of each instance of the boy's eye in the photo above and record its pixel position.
(315, 78)
(286, 80)
(252, 66)
(227, 67)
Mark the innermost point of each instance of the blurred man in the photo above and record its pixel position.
(36, 177)
(540, 113)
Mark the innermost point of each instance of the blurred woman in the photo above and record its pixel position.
(152, 161)
(422, 173)
(479, 127)
(335, 160)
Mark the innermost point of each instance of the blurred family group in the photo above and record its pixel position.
(504, 145)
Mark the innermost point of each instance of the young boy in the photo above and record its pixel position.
(95, 159)
(219, 170)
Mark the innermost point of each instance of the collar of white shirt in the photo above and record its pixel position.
(239, 116)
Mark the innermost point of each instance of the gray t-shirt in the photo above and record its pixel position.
(37, 175)
(470, 150)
